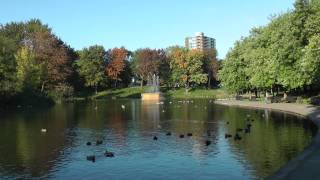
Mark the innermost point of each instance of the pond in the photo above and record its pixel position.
(127, 128)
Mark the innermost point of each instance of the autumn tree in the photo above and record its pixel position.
(116, 63)
(186, 66)
(211, 65)
(146, 62)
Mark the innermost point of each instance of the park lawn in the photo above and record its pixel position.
(135, 92)
(197, 94)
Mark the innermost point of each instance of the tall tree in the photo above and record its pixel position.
(211, 65)
(28, 70)
(146, 62)
(116, 64)
(186, 66)
(7, 67)
(91, 66)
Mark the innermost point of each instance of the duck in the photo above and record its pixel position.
(237, 137)
(239, 129)
(109, 154)
(181, 136)
(88, 143)
(43, 130)
(99, 142)
(168, 134)
(227, 136)
(91, 158)
(189, 134)
(155, 138)
(123, 106)
(208, 142)
(247, 130)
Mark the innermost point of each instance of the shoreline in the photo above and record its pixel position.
(305, 165)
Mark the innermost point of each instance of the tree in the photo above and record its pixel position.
(233, 73)
(28, 70)
(211, 65)
(52, 55)
(7, 67)
(186, 66)
(116, 63)
(310, 65)
(91, 66)
(146, 62)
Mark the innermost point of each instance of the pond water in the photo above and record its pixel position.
(128, 131)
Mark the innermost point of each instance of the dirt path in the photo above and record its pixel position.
(307, 164)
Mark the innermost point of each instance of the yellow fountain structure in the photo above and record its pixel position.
(153, 93)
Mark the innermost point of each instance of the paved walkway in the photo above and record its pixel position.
(307, 164)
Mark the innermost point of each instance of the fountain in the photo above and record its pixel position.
(153, 90)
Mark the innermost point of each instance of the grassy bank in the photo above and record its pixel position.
(135, 92)
(196, 94)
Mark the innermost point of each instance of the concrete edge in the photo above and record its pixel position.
(293, 165)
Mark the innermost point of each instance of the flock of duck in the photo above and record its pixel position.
(236, 136)
(246, 130)
(106, 153)
(207, 142)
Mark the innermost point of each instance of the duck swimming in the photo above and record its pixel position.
(108, 154)
(208, 142)
(237, 137)
(91, 158)
(99, 142)
(155, 138)
(227, 136)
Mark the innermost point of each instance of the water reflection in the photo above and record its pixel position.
(25, 152)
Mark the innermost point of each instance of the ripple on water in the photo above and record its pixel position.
(61, 152)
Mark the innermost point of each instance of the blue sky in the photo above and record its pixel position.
(145, 23)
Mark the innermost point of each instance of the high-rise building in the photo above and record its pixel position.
(200, 42)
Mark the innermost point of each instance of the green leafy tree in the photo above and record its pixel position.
(91, 66)
(7, 67)
(310, 65)
(233, 73)
(28, 70)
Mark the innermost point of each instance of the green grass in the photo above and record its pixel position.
(132, 92)
(135, 92)
(197, 94)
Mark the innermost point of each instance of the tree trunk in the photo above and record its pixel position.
(115, 83)
(285, 96)
(96, 89)
(209, 82)
(42, 87)
(141, 83)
